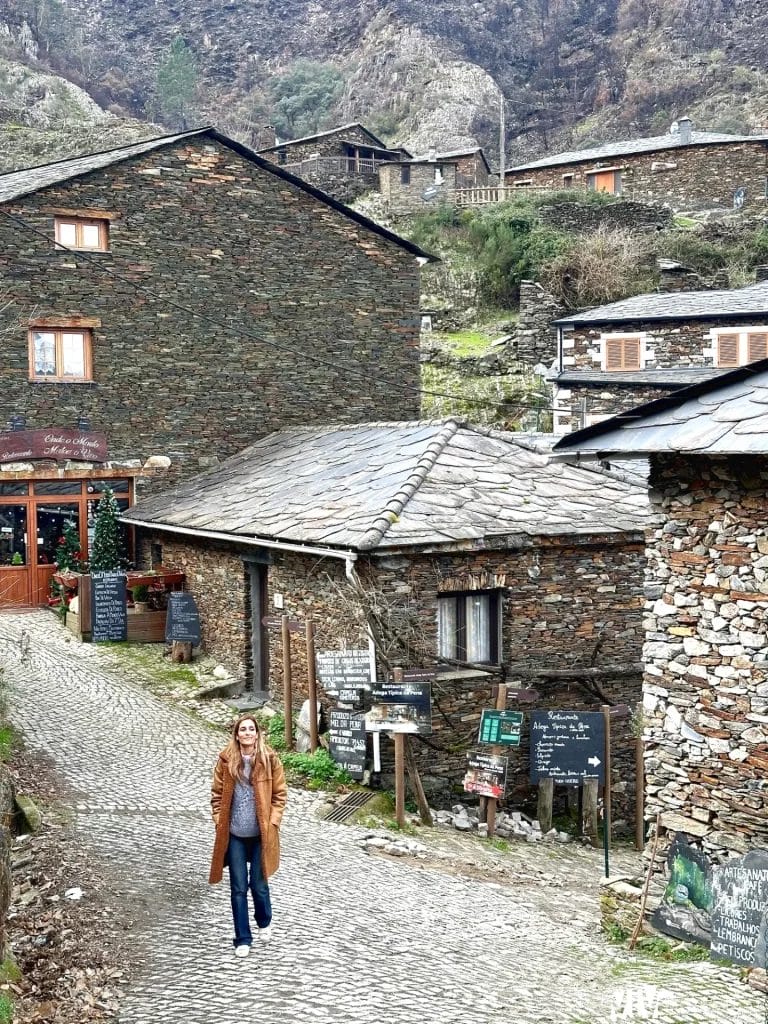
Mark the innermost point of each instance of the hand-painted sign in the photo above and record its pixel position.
(684, 911)
(486, 774)
(109, 611)
(739, 910)
(276, 622)
(400, 707)
(501, 727)
(347, 741)
(52, 443)
(182, 621)
(567, 746)
(344, 675)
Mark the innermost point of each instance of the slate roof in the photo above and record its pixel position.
(701, 305)
(453, 155)
(330, 131)
(16, 184)
(668, 379)
(727, 415)
(629, 146)
(379, 486)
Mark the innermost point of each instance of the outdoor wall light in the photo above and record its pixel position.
(17, 422)
(83, 422)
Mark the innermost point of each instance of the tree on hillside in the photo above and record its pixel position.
(176, 85)
(302, 100)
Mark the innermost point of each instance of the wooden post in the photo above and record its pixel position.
(490, 816)
(545, 800)
(399, 739)
(607, 788)
(311, 685)
(589, 810)
(639, 785)
(418, 789)
(287, 682)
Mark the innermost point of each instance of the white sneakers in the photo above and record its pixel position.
(242, 950)
(265, 934)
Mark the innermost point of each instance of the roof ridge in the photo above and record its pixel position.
(394, 507)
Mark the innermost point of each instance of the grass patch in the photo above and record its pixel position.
(6, 1009)
(466, 343)
(7, 741)
(656, 947)
(499, 844)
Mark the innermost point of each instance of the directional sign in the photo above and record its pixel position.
(344, 674)
(567, 746)
(276, 622)
(502, 727)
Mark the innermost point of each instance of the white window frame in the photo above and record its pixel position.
(743, 332)
(615, 335)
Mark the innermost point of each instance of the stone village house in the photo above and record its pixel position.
(415, 184)
(705, 688)
(684, 168)
(455, 542)
(165, 304)
(614, 357)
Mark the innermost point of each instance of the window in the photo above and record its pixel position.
(622, 353)
(405, 175)
(82, 233)
(468, 626)
(59, 354)
(736, 348)
(605, 181)
(567, 181)
(439, 176)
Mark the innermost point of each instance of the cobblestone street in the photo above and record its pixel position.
(358, 938)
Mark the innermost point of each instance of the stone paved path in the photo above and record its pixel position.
(359, 939)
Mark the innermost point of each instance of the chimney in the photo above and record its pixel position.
(265, 137)
(684, 129)
(432, 155)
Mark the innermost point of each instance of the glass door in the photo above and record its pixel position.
(49, 529)
(14, 575)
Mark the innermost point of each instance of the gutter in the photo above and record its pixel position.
(350, 557)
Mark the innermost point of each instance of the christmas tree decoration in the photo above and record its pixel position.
(68, 553)
(105, 550)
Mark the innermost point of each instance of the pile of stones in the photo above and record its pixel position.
(514, 825)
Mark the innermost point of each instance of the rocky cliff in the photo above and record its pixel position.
(422, 73)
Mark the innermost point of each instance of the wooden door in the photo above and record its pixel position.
(605, 181)
(15, 573)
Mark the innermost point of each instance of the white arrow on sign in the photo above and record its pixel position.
(593, 761)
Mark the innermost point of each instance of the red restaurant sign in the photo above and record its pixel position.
(52, 443)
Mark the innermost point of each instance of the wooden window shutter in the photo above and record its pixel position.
(757, 347)
(613, 353)
(622, 353)
(728, 350)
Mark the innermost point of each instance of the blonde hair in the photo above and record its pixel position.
(232, 749)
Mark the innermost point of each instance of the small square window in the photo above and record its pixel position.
(59, 354)
(468, 626)
(82, 233)
(621, 354)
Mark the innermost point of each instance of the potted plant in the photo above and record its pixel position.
(17, 559)
(140, 594)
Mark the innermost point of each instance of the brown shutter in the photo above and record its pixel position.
(613, 352)
(728, 350)
(622, 354)
(757, 347)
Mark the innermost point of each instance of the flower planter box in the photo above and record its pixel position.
(145, 626)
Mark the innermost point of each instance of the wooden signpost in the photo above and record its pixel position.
(492, 801)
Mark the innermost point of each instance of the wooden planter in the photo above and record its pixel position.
(145, 626)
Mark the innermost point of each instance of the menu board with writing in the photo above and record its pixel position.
(182, 621)
(567, 746)
(739, 908)
(109, 612)
(486, 774)
(500, 727)
(344, 674)
(347, 741)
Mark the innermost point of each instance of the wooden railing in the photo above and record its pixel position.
(483, 195)
(334, 165)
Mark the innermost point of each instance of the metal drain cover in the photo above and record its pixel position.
(345, 808)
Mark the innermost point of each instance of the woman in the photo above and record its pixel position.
(248, 797)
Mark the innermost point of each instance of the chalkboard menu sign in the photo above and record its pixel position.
(344, 674)
(109, 612)
(567, 746)
(401, 707)
(347, 741)
(182, 621)
(486, 774)
(739, 907)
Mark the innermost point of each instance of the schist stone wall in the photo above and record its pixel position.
(326, 145)
(706, 652)
(534, 340)
(582, 217)
(564, 603)
(580, 406)
(470, 171)
(408, 197)
(198, 226)
(703, 175)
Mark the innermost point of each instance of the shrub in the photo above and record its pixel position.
(607, 265)
(317, 770)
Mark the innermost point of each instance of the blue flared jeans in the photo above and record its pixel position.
(244, 863)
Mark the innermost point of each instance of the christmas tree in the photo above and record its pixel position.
(105, 550)
(68, 553)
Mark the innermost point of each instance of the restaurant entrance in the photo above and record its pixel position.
(32, 518)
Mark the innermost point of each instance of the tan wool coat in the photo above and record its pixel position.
(270, 793)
